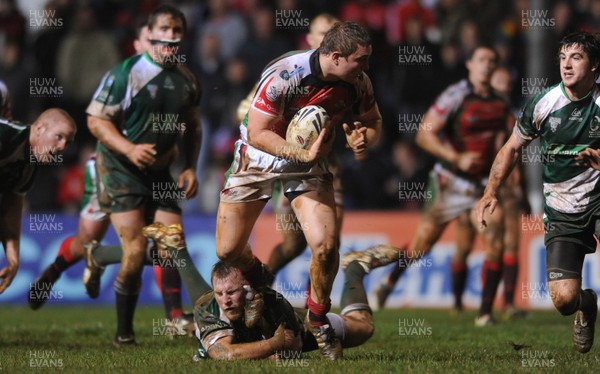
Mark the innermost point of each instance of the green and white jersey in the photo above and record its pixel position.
(16, 169)
(146, 101)
(565, 128)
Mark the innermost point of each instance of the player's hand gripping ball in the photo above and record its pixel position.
(306, 125)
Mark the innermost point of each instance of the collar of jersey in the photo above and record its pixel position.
(150, 60)
(562, 87)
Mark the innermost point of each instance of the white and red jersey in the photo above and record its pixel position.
(292, 82)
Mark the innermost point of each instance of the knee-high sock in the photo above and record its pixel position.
(108, 254)
(126, 297)
(64, 259)
(459, 281)
(354, 290)
(509, 274)
(193, 282)
(171, 291)
(491, 274)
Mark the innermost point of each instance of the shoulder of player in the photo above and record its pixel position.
(546, 101)
(12, 129)
(204, 301)
(125, 66)
(291, 64)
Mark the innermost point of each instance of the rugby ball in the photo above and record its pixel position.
(305, 126)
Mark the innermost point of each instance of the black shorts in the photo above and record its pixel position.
(123, 187)
(564, 259)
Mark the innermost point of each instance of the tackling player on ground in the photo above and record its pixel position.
(566, 118)
(219, 312)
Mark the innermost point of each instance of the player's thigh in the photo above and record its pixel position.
(234, 224)
(465, 235)
(512, 220)
(493, 234)
(358, 328)
(427, 234)
(88, 230)
(315, 211)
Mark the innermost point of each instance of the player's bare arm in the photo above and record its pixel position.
(10, 233)
(226, 349)
(141, 155)
(503, 164)
(262, 137)
(428, 139)
(192, 138)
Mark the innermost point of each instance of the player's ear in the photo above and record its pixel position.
(335, 57)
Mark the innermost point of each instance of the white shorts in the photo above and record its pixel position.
(253, 174)
(453, 195)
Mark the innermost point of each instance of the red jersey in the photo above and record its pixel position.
(292, 82)
(472, 122)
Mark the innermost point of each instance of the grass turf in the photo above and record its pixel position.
(78, 339)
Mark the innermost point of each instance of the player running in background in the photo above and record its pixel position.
(294, 242)
(566, 118)
(92, 227)
(136, 146)
(23, 148)
(332, 77)
(472, 119)
(514, 200)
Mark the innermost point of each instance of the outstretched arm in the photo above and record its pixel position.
(503, 164)
(11, 208)
(283, 339)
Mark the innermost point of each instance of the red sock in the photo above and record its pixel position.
(158, 277)
(459, 281)
(510, 273)
(317, 313)
(64, 258)
(491, 272)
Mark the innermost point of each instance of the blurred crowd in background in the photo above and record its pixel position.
(419, 49)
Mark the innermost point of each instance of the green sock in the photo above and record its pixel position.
(107, 254)
(354, 290)
(193, 282)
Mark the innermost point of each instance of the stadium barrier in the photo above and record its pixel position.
(426, 284)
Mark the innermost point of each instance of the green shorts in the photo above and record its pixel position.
(578, 228)
(123, 187)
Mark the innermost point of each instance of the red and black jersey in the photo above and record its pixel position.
(292, 82)
(473, 122)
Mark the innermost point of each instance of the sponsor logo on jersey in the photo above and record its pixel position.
(595, 127)
(554, 122)
(169, 85)
(576, 115)
(152, 89)
(272, 93)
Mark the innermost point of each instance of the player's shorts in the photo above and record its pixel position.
(90, 206)
(281, 205)
(253, 174)
(123, 187)
(452, 195)
(578, 228)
